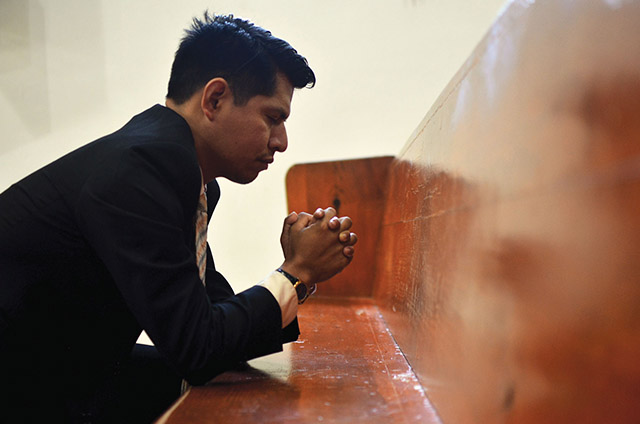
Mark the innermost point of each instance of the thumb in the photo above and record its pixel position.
(290, 219)
(303, 220)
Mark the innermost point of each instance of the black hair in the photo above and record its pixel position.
(244, 54)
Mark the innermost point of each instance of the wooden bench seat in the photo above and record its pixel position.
(345, 368)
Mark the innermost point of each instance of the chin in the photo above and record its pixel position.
(243, 179)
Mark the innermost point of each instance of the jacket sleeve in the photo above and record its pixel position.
(133, 212)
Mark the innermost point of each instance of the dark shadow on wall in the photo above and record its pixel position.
(52, 67)
(23, 71)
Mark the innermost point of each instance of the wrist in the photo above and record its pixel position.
(298, 272)
(303, 290)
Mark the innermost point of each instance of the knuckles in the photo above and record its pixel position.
(315, 240)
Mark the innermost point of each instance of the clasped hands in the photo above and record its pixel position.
(318, 246)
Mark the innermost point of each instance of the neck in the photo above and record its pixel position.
(190, 112)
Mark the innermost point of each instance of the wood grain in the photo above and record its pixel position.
(346, 369)
(355, 188)
(511, 238)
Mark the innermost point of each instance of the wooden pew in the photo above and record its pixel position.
(510, 276)
(498, 274)
(346, 367)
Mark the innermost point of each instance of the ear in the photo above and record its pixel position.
(215, 91)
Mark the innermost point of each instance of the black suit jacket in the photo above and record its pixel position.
(99, 245)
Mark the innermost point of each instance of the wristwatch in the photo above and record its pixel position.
(302, 290)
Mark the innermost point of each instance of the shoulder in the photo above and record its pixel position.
(153, 155)
(156, 144)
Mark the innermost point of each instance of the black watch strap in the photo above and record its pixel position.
(302, 290)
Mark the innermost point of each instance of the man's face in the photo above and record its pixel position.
(246, 138)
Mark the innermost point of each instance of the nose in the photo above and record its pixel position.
(278, 141)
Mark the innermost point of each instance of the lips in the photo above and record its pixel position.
(266, 161)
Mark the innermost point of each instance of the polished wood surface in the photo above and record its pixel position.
(346, 369)
(510, 272)
(355, 188)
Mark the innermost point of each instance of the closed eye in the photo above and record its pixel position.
(276, 115)
(275, 120)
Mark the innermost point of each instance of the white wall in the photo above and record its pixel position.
(74, 70)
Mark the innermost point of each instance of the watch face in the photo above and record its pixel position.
(301, 289)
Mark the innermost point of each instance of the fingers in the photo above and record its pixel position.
(334, 223)
(319, 245)
(290, 219)
(303, 220)
(320, 213)
(345, 223)
(286, 225)
(348, 251)
(348, 238)
(327, 214)
(342, 223)
(286, 229)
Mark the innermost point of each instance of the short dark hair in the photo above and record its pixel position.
(244, 54)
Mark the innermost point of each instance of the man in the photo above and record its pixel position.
(109, 240)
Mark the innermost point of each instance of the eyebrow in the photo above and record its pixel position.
(280, 111)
